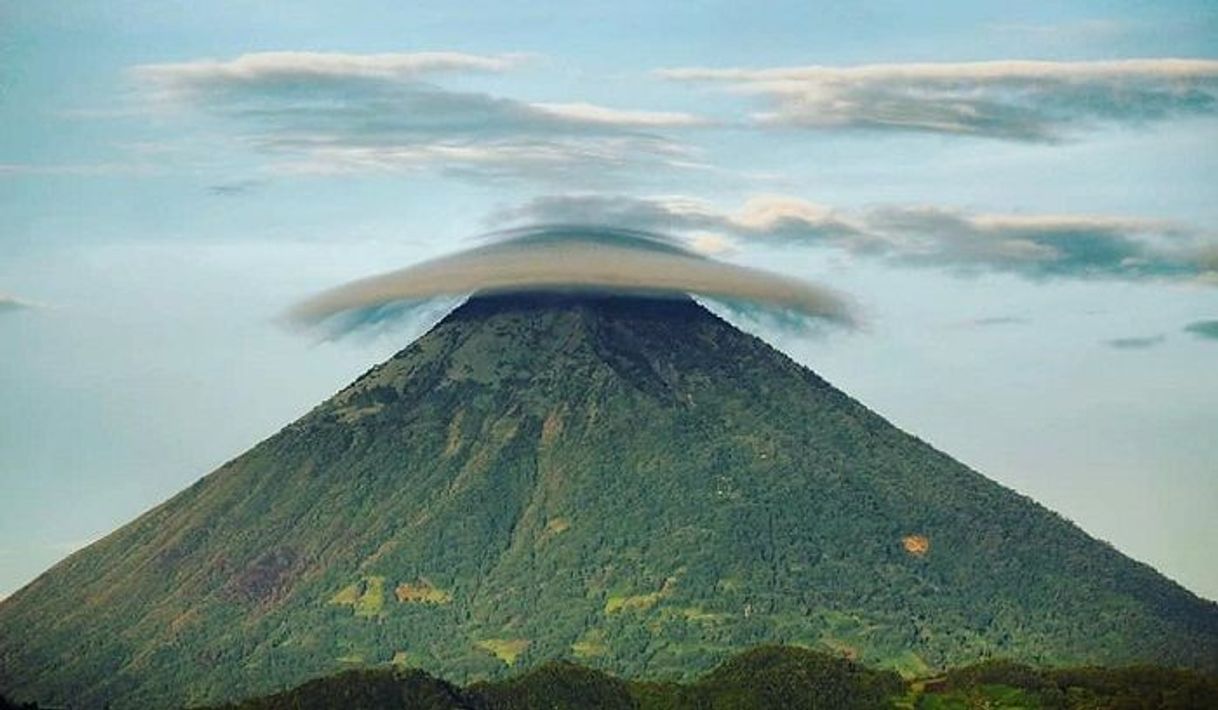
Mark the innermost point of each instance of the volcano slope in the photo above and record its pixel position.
(629, 482)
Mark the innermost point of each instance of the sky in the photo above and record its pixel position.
(1018, 202)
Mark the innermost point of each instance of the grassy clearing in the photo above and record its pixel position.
(372, 601)
(365, 597)
(910, 665)
(347, 596)
(422, 591)
(700, 615)
(590, 645)
(640, 602)
(506, 650)
(637, 602)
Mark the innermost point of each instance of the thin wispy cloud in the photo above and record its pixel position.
(995, 321)
(122, 169)
(1136, 342)
(235, 188)
(260, 67)
(1207, 329)
(335, 113)
(771, 216)
(12, 304)
(1035, 246)
(1031, 101)
(1042, 245)
(594, 114)
(1064, 33)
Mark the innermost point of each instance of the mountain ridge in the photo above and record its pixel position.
(631, 482)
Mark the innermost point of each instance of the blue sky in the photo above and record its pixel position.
(1019, 201)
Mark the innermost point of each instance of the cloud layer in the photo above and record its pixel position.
(1207, 329)
(1136, 342)
(10, 304)
(1037, 246)
(260, 67)
(325, 112)
(1013, 100)
(559, 257)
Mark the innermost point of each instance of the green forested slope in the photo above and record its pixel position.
(630, 483)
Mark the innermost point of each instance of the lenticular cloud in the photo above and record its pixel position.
(573, 258)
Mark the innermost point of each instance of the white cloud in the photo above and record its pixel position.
(317, 112)
(9, 304)
(571, 256)
(1013, 100)
(287, 66)
(591, 113)
(710, 243)
(76, 169)
(1207, 329)
(1136, 342)
(1074, 33)
(1038, 246)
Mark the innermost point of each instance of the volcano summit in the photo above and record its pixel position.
(628, 481)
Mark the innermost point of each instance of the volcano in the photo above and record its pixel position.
(629, 482)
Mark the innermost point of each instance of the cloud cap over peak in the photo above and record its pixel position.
(579, 257)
